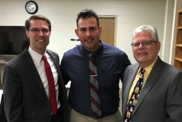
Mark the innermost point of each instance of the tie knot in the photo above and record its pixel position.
(91, 56)
(142, 70)
(44, 58)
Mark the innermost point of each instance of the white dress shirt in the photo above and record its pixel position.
(39, 64)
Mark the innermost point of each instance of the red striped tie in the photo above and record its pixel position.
(52, 91)
(94, 87)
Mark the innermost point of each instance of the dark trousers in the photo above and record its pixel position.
(53, 118)
(2, 113)
(56, 118)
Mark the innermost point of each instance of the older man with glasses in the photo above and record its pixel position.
(152, 89)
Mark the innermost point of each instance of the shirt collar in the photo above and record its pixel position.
(96, 52)
(37, 58)
(149, 68)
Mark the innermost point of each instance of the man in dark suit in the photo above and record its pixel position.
(26, 84)
(157, 95)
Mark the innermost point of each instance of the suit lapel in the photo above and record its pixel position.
(129, 82)
(152, 78)
(33, 71)
(54, 60)
(60, 80)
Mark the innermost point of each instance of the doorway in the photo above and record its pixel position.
(108, 29)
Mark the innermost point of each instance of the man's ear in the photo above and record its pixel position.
(76, 31)
(158, 46)
(27, 33)
(100, 28)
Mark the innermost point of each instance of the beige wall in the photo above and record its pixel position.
(62, 13)
(167, 37)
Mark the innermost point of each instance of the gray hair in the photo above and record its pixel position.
(147, 28)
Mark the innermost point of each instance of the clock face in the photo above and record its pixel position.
(31, 7)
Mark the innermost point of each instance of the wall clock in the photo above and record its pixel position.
(31, 7)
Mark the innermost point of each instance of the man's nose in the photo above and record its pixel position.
(141, 45)
(88, 33)
(40, 33)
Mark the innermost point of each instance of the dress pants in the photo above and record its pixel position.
(53, 118)
(77, 117)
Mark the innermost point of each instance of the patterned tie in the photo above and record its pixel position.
(134, 97)
(94, 88)
(52, 91)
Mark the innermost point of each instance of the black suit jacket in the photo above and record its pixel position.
(25, 98)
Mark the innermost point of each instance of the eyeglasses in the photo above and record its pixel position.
(144, 43)
(36, 30)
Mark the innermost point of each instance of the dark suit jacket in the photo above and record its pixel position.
(161, 97)
(24, 94)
